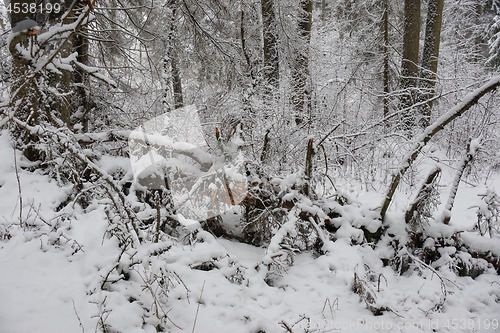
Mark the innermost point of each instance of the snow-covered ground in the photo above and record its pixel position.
(49, 278)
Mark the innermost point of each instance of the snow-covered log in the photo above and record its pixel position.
(470, 100)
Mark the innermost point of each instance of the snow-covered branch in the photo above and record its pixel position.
(470, 100)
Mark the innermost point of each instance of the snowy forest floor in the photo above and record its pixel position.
(49, 277)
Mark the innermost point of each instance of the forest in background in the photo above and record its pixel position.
(320, 105)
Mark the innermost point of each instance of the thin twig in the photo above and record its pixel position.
(198, 307)
(19, 189)
(77, 316)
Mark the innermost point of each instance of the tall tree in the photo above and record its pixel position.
(270, 38)
(409, 65)
(386, 55)
(42, 69)
(25, 96)
(65, 80)
(430, 57)
(323, 9)
(300, 69)
(171, 60)
(494, 41)
(24, 27)
(81, 101)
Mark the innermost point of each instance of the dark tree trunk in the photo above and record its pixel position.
(24, 95)
(36, 96)
(65, 79)
(171, 65)
(308, 167)
(430, 57)
(174, 59)
(409, 65)
(33, 102)
(81, 102)
(323, 9)
(300, 69)
(176, 81)
(270, 38)
(385, 50)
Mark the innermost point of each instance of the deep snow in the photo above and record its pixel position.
(49, 280)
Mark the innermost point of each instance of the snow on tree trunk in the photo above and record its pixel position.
(455, 112)
(171, 68)
(385, 51)
(494, 41)
(270, 37)
(300, 69)
(472, 148)
(21, 48)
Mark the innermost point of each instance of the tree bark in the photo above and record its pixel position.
(20, 40)
(308, 167)
(270, 39)
(385, 50)
(323, 9)
(176, 81)
(430, 57)
(81, 103)
(466, 160)
(171, 69)
(65, 79)
(174, 59)
(409, 65)
(300, 69)
(27, 97)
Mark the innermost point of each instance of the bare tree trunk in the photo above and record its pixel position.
(81, 80)
(32, 101)
(430, 57)
(270, 38)
(300, 69)
(174, 58)
(308, 167)
(28, 97)
(171, 72)
(21, 65)
(176, 81)
(39, 94)
(409, 65)
(323, 9)
(65, 79)
(385, 50)
(466, 160)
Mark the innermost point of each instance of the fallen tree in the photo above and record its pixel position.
(419, 143)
